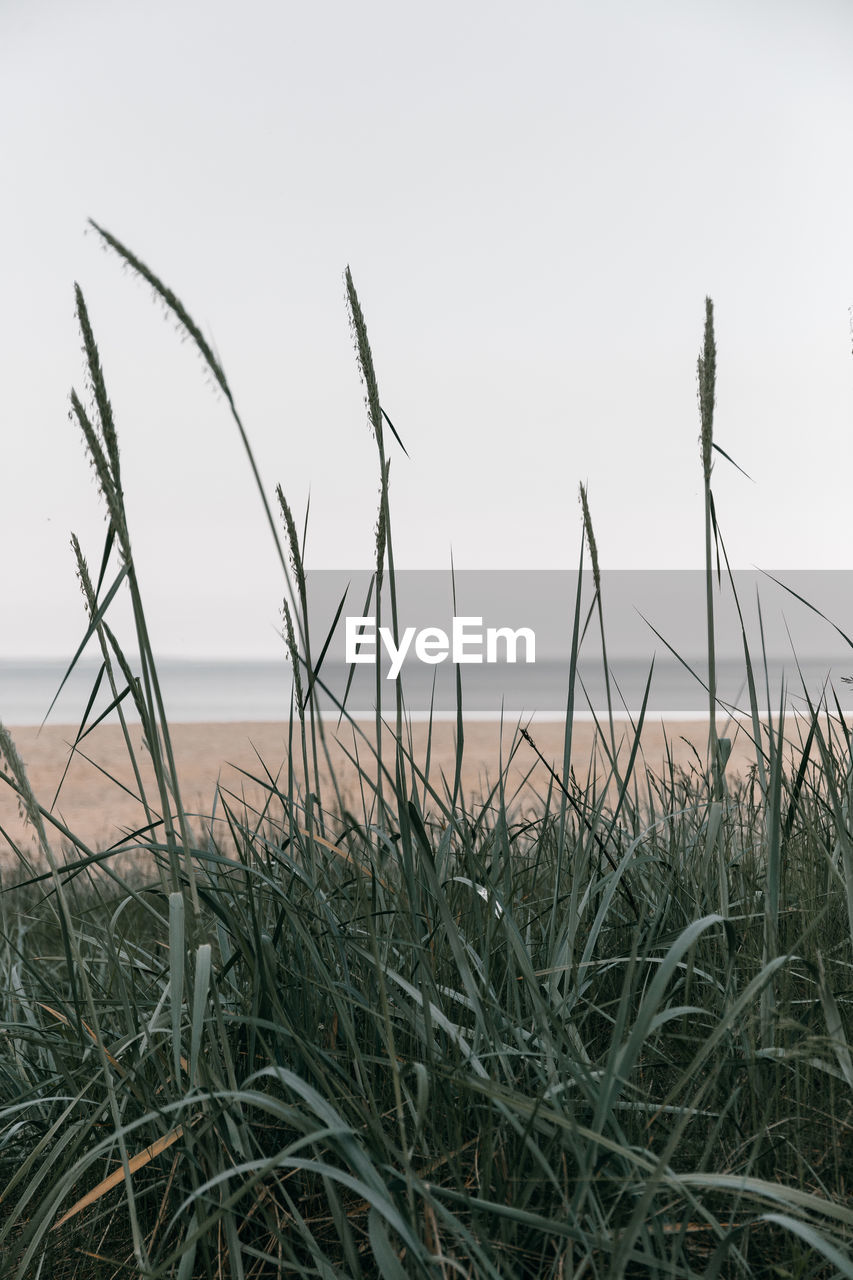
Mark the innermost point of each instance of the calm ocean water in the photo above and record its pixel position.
(204, 690)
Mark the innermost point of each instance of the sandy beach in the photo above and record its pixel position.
(98, 801)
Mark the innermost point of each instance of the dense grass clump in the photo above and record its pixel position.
(429, 1037)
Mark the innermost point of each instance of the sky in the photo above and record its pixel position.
(534, 202)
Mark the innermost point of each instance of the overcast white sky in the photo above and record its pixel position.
(534, 200)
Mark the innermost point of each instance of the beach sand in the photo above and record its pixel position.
(94, 804)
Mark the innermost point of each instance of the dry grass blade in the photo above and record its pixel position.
(139, 1161)
(60, 1017)
(342, 853)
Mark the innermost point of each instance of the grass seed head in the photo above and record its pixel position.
(27, 804)
(294, 654)
(365, 358)
(83, 575)
(106, 481)
(186, 325)
(382, 526)
(98, 385)
(293, 542)
(590, 537)
(707, 375)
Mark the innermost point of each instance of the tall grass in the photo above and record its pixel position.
(428, 1036)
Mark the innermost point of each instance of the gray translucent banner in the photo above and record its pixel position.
(653, 614)
(636, 606)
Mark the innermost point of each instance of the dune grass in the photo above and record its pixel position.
(430, 1037)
